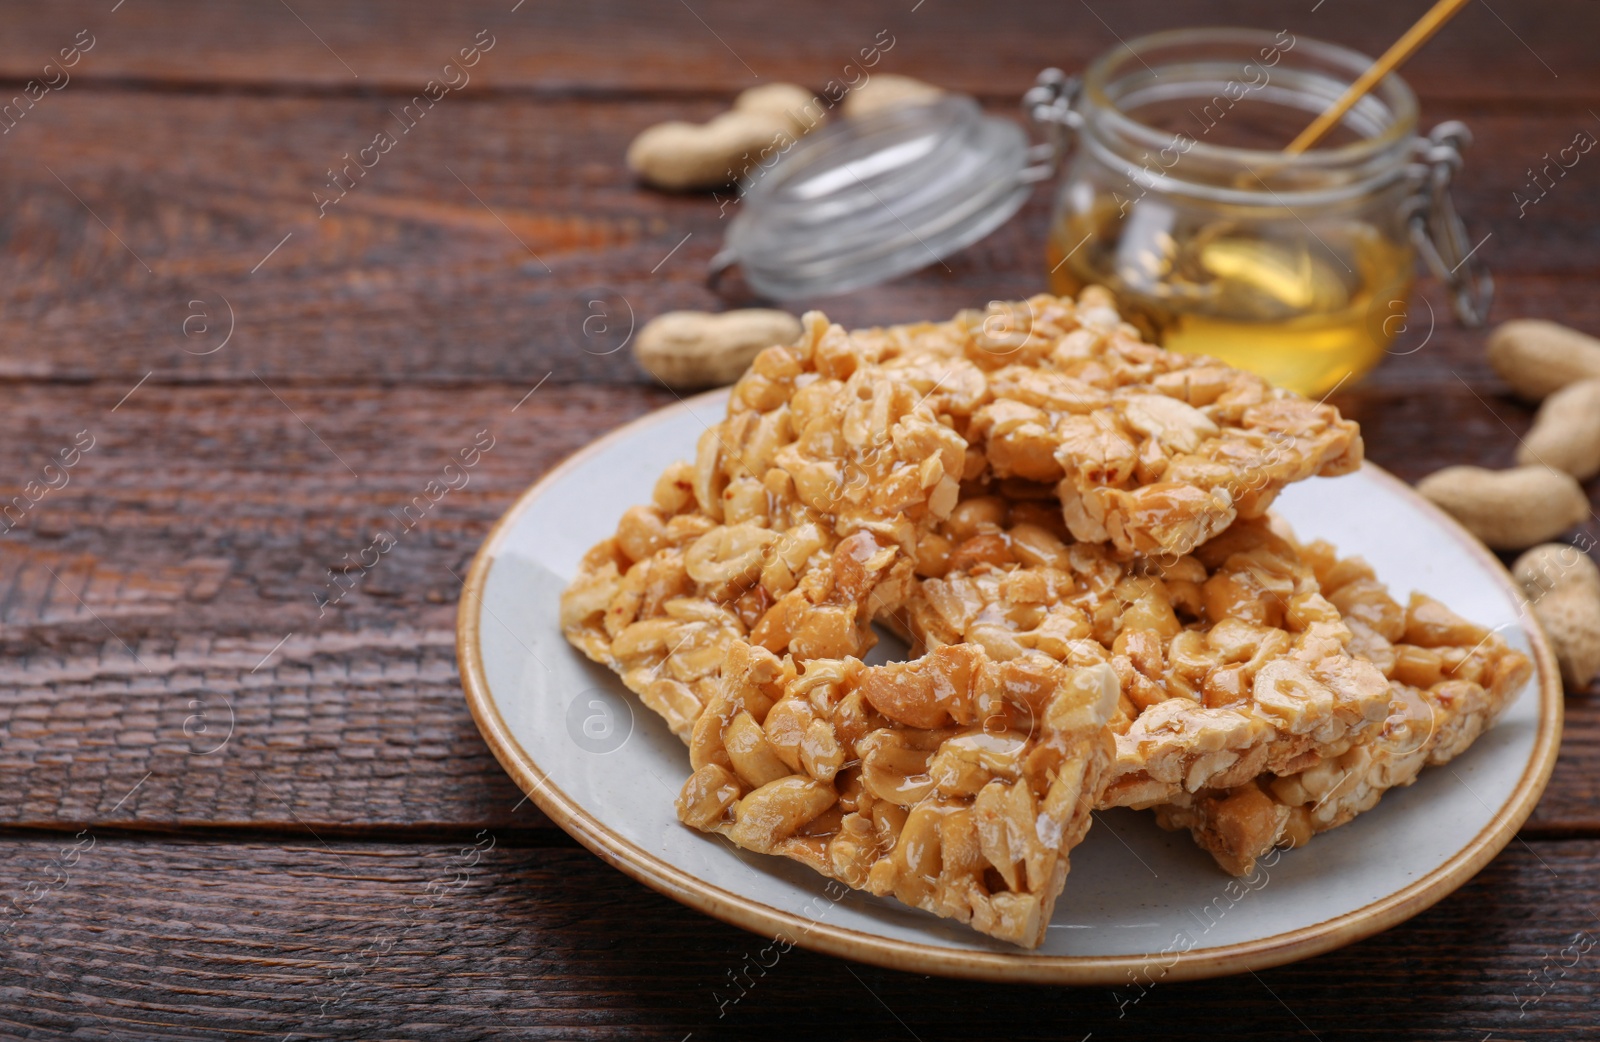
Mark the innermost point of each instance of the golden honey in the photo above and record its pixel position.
(1177, 196)
(1308, 312)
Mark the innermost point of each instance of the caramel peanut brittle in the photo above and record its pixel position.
(1449, 680)
(1071, 526)
(872, 432)
(796, 524)
(1151, 451)
(1231, 660)
(955, 783)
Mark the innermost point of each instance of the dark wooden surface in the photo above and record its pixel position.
(224, 813)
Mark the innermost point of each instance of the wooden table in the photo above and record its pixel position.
(229, 812)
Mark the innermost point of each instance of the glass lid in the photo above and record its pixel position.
(863, 201)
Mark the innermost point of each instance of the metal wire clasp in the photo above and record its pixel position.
(1436, 228)
(1048, 108)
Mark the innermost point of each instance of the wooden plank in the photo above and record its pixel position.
(720, 46)
(198, 532)
(160, 601)
(269, 787)
(158, 940)
(141, 229)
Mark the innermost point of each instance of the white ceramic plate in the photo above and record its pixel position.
(1138, 899)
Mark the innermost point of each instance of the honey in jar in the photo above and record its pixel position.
(1273, 306)
(1179, 199)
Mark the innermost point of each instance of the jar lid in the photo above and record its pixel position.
(866, 200)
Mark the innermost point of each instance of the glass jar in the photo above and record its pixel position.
(1173, 192)
(1176, 195)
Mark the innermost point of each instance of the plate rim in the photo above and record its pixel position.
(1008, 967)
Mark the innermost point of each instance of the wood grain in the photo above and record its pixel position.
(163, 940)
(720, 46)
(271, 785)
(167, 582)
(451, 261)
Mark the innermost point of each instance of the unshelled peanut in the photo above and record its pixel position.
(764, 122)
(1566, 432)
(1562, 585)
(887, 91)
(1508, 509)
(692, 349)
(1538, 358)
